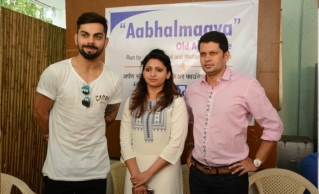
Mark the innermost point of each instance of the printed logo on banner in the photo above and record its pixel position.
(181, 89)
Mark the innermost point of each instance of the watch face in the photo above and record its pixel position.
(257, 162)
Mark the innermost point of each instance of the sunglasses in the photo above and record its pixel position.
(86, 101)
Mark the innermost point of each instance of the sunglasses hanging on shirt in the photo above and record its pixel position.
(86, 101)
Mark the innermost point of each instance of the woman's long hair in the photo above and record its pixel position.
(166, 96)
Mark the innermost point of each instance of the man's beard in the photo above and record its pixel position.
(90, 56)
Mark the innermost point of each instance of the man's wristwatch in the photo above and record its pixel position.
(257, 162)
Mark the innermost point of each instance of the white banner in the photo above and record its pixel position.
(176, 28)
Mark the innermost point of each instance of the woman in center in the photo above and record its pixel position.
(153, 130)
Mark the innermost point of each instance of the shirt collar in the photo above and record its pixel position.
(226, 76)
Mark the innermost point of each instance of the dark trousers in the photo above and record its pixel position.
(201, 183)
(97, 186)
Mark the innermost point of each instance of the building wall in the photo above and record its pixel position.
(299, 56)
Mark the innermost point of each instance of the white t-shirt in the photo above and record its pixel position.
(77, 147)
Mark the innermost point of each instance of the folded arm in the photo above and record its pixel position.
(41, 111)
(111, 112)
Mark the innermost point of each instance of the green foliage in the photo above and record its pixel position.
(28, 8)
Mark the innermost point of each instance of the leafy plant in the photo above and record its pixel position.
(28, 8)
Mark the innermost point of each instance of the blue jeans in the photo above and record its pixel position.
(201, 183)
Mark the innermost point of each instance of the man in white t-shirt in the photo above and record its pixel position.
(76, 99)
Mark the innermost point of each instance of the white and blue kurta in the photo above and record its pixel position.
(156, 134)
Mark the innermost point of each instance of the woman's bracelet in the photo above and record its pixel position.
(189, 144)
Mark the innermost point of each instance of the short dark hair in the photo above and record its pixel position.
(92, 17)
(217, 37)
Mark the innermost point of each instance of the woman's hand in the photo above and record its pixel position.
(140, 179)
(139, 189)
